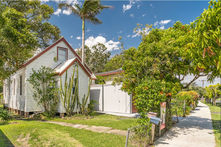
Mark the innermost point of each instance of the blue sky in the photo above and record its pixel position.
(122, 19)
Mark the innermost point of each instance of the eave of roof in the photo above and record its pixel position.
(109, 72)
(69, 65)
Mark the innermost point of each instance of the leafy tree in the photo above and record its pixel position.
(213, 92)
(206, 47)
(17, 41)
(114, 63)
(193, 87)
(45, 90)
(164, 56)
(96, 57)
(100, 80)
(37, 16)
(88, 12)
(24, 27)
(189, 96)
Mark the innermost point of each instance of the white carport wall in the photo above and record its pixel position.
(111, 98)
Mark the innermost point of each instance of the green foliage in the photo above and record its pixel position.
(91, 106)
(37, 16)
(206, 47)
(190, 97)
(24, 27)
(68, 99)
(100, 80)
(140, 136)
(213, 92)
(5, 115)
(84, 109)
(114, 63)
(96, 58)
(45, 91)
(200, 90)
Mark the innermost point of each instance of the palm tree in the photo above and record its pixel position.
(89, 11)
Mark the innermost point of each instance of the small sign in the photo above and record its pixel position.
(162, 114)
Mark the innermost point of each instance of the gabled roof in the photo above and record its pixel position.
(61, 68)
(51, 46)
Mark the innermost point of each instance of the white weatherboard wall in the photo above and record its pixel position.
(12, 96)
(83, 85)
(111, 98)
(47, 59)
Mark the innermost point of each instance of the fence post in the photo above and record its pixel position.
(152, 133)
(102, 97)
(184, 109)
(128, 132)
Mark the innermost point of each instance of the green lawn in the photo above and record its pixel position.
(216, 118)
(116, 122)
(35, 133)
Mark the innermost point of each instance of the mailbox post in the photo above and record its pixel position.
(155, 121)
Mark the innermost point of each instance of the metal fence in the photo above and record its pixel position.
(138, 136)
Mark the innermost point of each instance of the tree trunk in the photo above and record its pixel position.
(168, 124)
(83, 35)
(214, 101)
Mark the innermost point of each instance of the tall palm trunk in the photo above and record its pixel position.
(83, 35)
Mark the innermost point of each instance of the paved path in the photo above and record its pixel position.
(194, 130)
(98, 129)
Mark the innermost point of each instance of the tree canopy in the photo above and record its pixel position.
(213, 92)
(23, 29)
(96, 58)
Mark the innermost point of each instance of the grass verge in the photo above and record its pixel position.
(216, 118)
(35, 133)
(115, 122)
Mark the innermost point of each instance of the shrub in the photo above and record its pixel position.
(189, 96)
(5, 115)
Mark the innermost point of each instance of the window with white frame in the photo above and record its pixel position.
(62, 54)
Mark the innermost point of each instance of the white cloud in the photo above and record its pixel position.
(78, 38)
(145, 31)
(57, 12)
(131, 15)
(155, 16)
(164, 22)
(67, 12)
(156, 23)
(151, 5)
(138, 6)
(161, 23)
(111, 45)
(128, 35)
(128, 7)
(88, 30)
(144, 15)
(119, 32)
(71, 36)
(162, 27)
(44, 1)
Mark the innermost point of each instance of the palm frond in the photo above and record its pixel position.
(74, 11)
(93, 20)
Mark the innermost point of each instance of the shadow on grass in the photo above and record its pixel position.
(4, 141)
